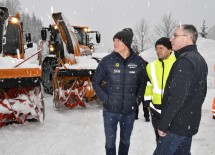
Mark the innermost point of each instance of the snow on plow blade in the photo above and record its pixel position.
(20, 95)
(72, 88)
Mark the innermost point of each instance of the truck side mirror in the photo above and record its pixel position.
(28, 37)
(43, 34)
(1, 14)
(28, 40)
(98, 37)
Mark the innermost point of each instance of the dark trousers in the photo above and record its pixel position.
(155, 120)
(145, 109)
(126, 123)
(173, 144)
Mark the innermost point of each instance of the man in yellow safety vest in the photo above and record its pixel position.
(158, 72)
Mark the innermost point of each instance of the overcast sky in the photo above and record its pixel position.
(111, 16)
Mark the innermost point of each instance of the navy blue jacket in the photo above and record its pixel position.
(125, 82)
(184, 93)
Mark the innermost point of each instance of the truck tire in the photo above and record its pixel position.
(48, 69)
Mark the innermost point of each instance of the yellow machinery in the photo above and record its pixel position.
(70, 87)
(20, 87)
(83, 35)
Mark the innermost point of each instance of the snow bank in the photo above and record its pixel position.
(9, 62)
(207, 49)
(83, 62)
(149, 55)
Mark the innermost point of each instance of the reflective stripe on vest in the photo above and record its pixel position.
(154, 80)
(146, 98)
(152, 106)
(148, 92)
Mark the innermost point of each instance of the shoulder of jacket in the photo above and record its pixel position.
(187, 56)
(108, 57)
(141, 59)
(184, 59)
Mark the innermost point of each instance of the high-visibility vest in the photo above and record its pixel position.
(148, 92)
(158, 73)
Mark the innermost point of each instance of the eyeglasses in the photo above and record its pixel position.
(177, 35)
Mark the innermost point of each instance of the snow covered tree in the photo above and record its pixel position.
(203, 32)
(141, 32)
(26, 20)
(13, 6)
(32, 25)
(134, 45)
(166, 27)
(34, 28)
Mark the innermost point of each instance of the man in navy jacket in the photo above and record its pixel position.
(184, 95)
(124, 75)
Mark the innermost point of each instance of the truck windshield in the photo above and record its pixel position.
(13, 41)
(81, 35)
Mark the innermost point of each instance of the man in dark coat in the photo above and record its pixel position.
(184, 94)
(124, 75)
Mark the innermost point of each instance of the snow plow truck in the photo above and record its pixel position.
(21, 97)
(67, 64)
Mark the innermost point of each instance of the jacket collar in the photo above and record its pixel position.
(119, 56)
(170, 59)
(185, 49)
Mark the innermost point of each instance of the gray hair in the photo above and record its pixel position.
(191, 30)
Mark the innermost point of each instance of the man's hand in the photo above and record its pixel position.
(161, 133)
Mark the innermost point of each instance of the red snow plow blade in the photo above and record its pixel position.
(72, 88)
(20, 96)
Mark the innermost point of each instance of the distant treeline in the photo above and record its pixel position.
(31, 23)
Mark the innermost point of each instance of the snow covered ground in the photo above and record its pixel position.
(81, 132)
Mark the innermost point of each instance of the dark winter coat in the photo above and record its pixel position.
(184, 93)
(125, 82)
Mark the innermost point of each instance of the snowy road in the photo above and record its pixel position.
(80, 132)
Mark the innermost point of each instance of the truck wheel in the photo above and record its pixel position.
(48, 69)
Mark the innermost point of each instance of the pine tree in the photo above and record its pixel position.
(203, 32)
(34, 27)
(39, 27)
(31, 25)
(12, 5)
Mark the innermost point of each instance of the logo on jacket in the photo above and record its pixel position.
(131, 72)
(116, 64)
(132, 65)
(116, 71)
